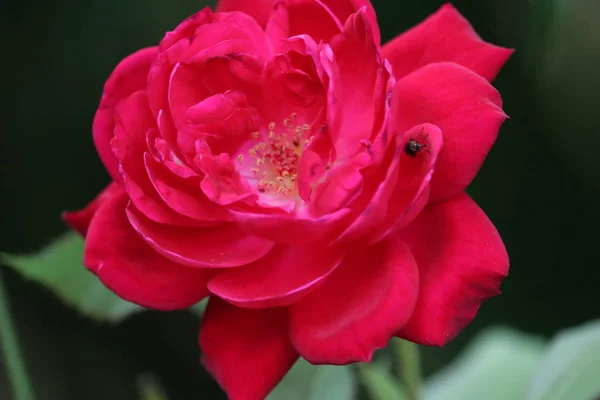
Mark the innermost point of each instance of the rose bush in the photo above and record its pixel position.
(277, 158)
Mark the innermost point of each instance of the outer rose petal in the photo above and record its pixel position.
(221, 246)
(80, 220)
(287, 228)
(282, 277)
(133, 126)
(247, 351)
(464, 106)
(359, 308)
(130, 268)
(128, 77)
(462, 262)
(444, 36)
(259, 9)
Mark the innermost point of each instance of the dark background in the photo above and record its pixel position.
(540, 184)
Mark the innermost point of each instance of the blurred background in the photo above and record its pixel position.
(540, 185)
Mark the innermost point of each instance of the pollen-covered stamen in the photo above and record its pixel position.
(276, 156)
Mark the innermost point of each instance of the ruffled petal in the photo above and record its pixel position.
(247, 351)
(258, 9)
(287, 228)
(464, 106)
(80, 220)
(337, 187)
(360, 306)
(353, 85)
(399, 188)
(183, 195)
(130, 268)
(342, 9)
(208, 54)
(221, 246)
(444, 36)
(128, 77)
(411, 192)
(224, 121)
(312, 18)
(320, 19)
(222, 183)
(282, 277)
(134, 127)
(186, 29)
(462, 262)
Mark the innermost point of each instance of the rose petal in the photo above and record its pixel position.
(185, 90)
(128, 76)
(360, 306)
(224, 49)
(464, 106)
(225, 121)
(321, 19)
(186, 29)
(444, 36)
(222, 246)
(282, 277)
(411, 192)
(80, 220)
(353, 85)
(344, 8)
(134, 123)
(462, 262)
(183, 195)
(258, 9)
(312, 18)
(288, 228)
(130, 268)
(222, 182)
(261, 9)
(247, 351)
(339, 186)
(396, 186)
(292, 85)
(238, 71)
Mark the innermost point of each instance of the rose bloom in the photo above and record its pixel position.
(274, 156)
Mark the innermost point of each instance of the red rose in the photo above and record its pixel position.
(309, 180)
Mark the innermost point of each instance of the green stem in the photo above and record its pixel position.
(13, 360)
(408, 366)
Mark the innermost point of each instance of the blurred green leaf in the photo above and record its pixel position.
(316, 382)
(570, 369)
(59, 268)
(496, 366)
(379, 382)
(199, 308)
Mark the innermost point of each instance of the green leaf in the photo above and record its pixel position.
(316, 382)
(379, 382)
(198, 309)
(497, 365)
(59, 267)
(570, 369)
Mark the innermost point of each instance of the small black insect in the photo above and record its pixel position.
(414, 146)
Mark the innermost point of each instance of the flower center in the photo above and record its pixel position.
(273, 156)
